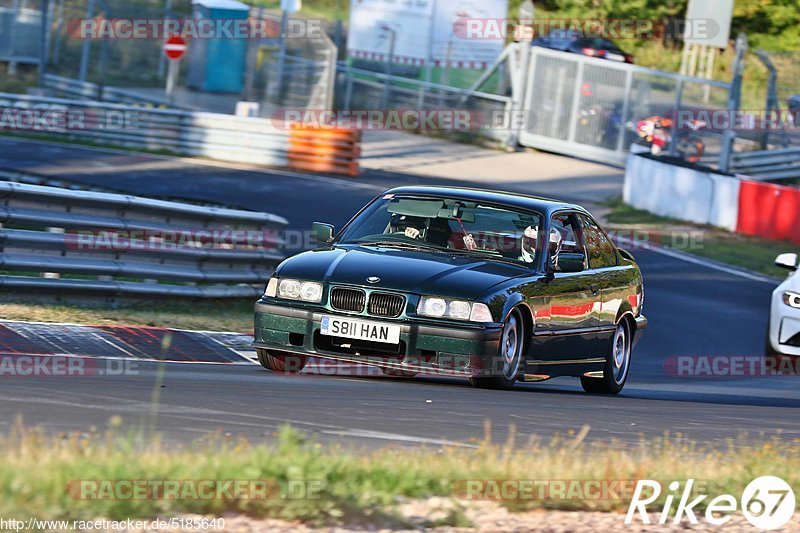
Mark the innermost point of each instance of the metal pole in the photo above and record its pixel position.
(387, 87)
(162, 59)
(172, 78)
(101, 83)
(337, 36)
(773, 106)
(734, 100)
(86, 43)
(281, 57)
(676, 128)
(44, 40)
(12, 64)
(59, 29)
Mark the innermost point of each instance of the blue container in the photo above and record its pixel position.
(218, 65)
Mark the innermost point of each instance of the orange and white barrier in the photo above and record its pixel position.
(324, 150)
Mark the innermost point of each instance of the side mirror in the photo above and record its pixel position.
(788, 261)
(570, 264)
(322, 232)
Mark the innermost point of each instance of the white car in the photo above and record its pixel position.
(783, 334)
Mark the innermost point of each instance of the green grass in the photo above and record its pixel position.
(71, 139)
(623, 213)
(354, 487)
(752, 253)
(216, 315)
(20, 82)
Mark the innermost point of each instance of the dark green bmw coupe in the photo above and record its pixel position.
(491, 286)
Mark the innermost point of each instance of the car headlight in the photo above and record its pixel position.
(272, 288)
(454, 309)
(792, 299)
(293, 289)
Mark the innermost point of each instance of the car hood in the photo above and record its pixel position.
(411, 271)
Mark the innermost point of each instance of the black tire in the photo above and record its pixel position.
(616, 371)
(282, 362)
(511, 356)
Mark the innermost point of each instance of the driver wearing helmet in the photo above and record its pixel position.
(411, 227)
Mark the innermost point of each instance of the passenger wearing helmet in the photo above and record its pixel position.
(528, 244)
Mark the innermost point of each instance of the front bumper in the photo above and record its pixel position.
(784, 330)
(424, 347)
(641, 325)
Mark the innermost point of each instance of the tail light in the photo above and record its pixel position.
(629, 59)
(591, 52)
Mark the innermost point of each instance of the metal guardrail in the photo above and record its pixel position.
(768, 165)
(216, 136)
(101, 243)
(85, 90)
(369, 90)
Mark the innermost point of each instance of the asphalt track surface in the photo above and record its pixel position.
(694, 310)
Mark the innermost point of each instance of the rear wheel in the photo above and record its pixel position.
(618, 363)
(285, 363)
(510, 356)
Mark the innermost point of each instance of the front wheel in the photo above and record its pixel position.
(618, 363)
(510, 357)
(284, 363)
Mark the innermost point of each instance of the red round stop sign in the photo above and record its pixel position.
(175, 47)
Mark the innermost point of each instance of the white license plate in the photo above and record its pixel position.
(615, 57)
(360, 329)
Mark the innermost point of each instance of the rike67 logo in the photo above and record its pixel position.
(767, 503)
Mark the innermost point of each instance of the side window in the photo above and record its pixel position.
(601, 252)
(572, 247)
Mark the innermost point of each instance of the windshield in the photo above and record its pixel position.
(447, 224)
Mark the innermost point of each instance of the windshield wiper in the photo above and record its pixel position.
(488, 254)
(400, 244)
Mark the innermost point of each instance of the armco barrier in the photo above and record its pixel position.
(324, 150)
(681, 192)
(217, 136)
(107, 244)
(768, 164)
(69, 87)
(770, 211)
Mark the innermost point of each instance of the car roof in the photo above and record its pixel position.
(545, 206)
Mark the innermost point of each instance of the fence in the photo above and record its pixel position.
(582, 106)
(107, 244)
(360, 89)
(306, 79)
(551, 100)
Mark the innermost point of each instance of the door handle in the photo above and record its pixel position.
(595, 288)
